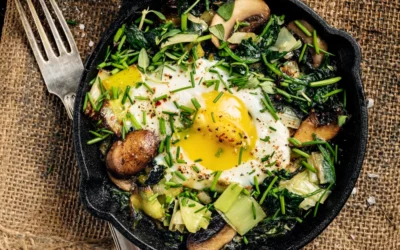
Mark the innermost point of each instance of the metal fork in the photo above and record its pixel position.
(61, 73)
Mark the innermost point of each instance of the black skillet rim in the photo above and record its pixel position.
(109, 216)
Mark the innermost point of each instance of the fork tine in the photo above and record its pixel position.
(65, 27)
(29, 33)
(45, 40)
(57, 38)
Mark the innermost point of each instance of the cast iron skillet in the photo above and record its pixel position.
(94, 181)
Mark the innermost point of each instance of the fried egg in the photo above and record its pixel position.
(230, 131)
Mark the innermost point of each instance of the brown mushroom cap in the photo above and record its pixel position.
(243, 10)
(317, 58)
(220, 239)
(311, 126)
(124, 184)
(131, 156)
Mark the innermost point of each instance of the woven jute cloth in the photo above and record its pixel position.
(42, 211)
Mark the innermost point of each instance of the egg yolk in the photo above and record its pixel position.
(222, 133)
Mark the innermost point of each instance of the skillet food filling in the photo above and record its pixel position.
(215, 122)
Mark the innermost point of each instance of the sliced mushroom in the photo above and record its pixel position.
(124, 184)
(214, 237)
(244, 9)
(317, 58)
(311, 126)
(131, 156)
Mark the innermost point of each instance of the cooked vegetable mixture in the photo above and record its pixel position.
(215, 121)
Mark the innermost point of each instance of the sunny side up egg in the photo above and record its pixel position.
(230, 132)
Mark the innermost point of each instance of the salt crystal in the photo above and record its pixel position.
(371, 201)
(353, 237)
(91, 43)
(354, 191)
(370, 103)
(373, 176)
(82, 26)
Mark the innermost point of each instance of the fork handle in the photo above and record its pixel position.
(69, 101)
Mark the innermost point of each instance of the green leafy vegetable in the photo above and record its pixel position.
(226, 10)
(218, 31)
(136, 38)
(144, 60)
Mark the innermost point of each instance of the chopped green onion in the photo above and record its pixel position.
(295, 142)
(192, 79)
(271, 66)
(128, 88)
(187, 109)
(192, 205)
(245, 241)
(212, 116)
(142, 98)
(325, 82)
(153, 197)
(320, 198)
(316, 43)
(144, 118)
(253, 209)
(203, 38)
(252, 172)
(240, 155)
(270, 109)
(148, 87)
(198, 160)
(282, 201)
(115, 71)
(96, 140)
(222, 80)
(196, 103)
(201, 209)
(271, 164)
(218, 97)
(308, 166)
(168, 143)
(85, 102)
(303, 51)
(172, 184)
(178, 153)
(169, 113)
(219, 152)
(191, 7)
(135, 124)
(301, 153)
(163, 129)
(180, 175)
(184, 22)
(272, 128)
(160, 98)
(302, 28)
(266, 28)
(171, 123)
(256, 184)
(268, 189)
(266, 139)
(95, 133)
(161, 148)
(345, 99)
(335, 92)
(121, 43)
(195, 168)
(181, 89)
(215, 180)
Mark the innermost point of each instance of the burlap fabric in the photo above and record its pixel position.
(39, 211)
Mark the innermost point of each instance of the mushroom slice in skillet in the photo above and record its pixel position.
(317, 58)
(311, 126)
(131, 156)
(244, 9)
(214, 237)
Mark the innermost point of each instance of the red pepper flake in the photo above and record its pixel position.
(158, 103)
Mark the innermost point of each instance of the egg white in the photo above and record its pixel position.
(173, 77)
